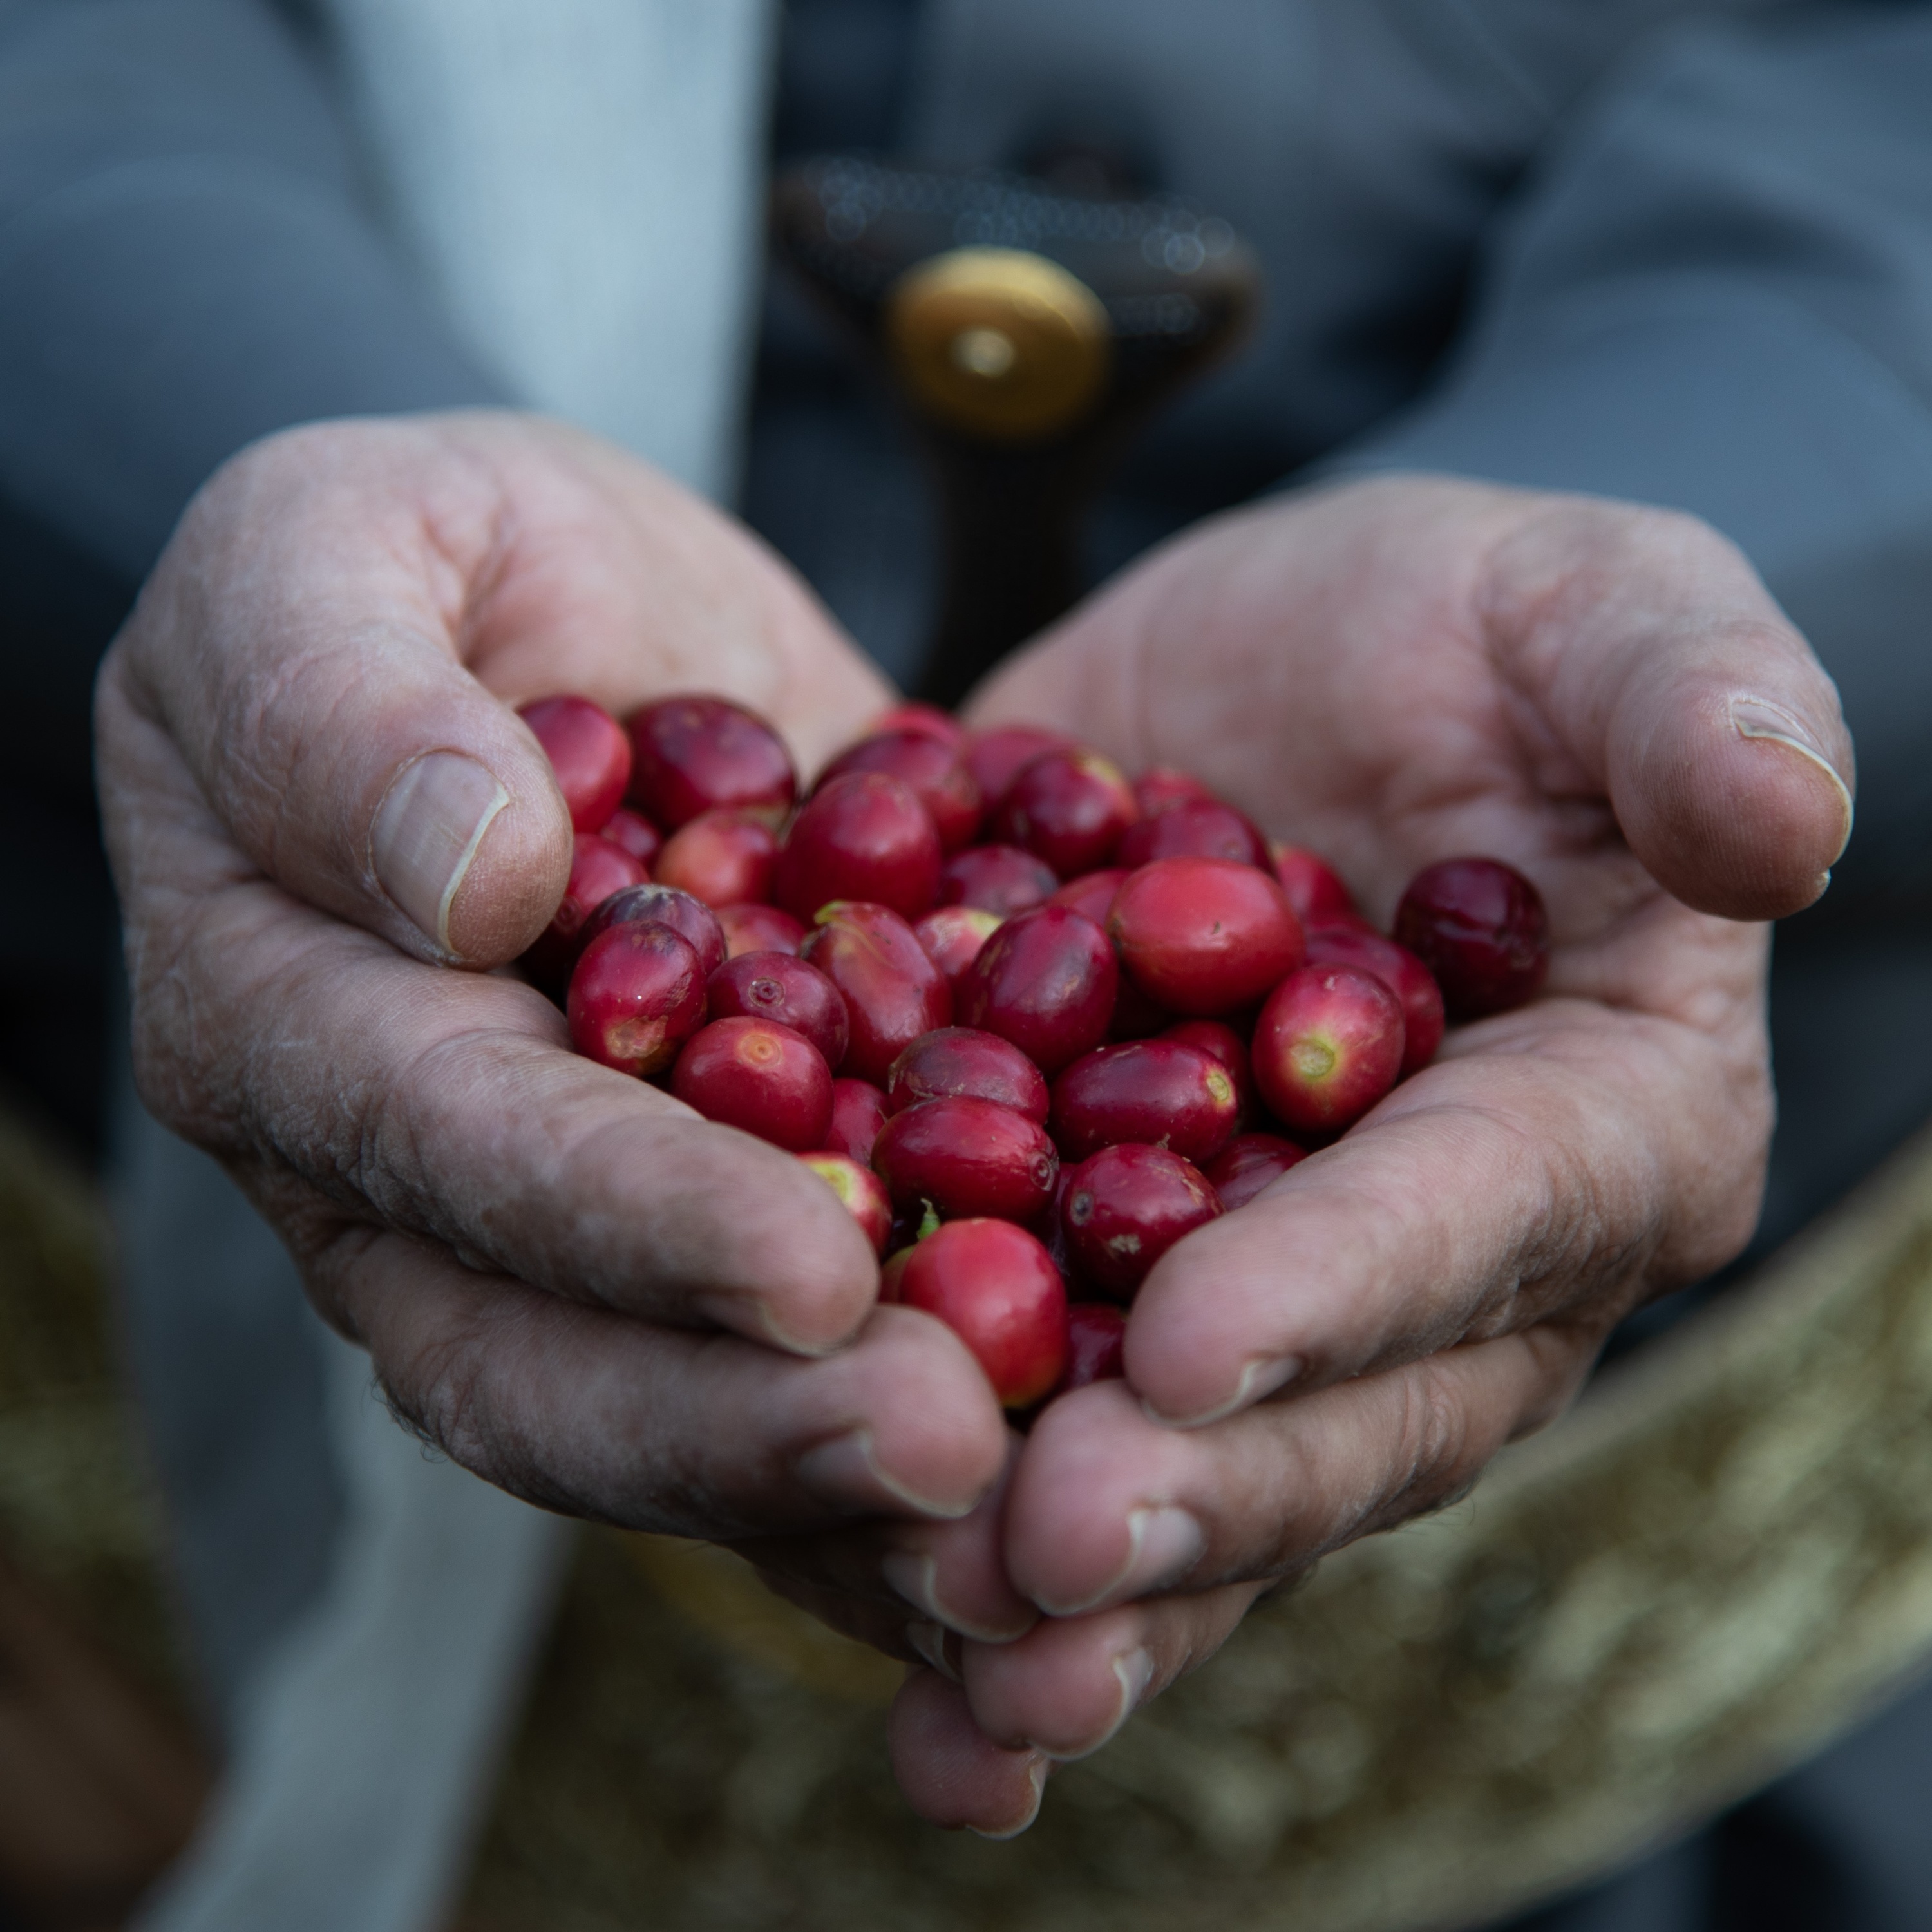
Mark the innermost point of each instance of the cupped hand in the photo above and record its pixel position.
(1393, 673)
(318, 801)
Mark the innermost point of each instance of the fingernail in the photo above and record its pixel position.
(738, 1310)
(1758, 718)
(1133, 1671)
(914, 1575)
(845, 1473)
(1259, 1377)
(929, 1640)
(426, 834)
(1036, 1774)
(1163, 1544)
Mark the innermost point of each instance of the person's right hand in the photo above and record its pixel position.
(318, 801)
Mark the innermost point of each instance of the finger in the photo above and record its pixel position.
(319, 638)
(1679, 688)
(1109, 1506)
(602, 1415)
(950, 1576)
(1561, 1160)
(952, 1774)
(1069, 1686)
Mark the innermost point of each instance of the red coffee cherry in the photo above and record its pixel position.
(893, 992)
(587, 751)
(1000, 879)
(776, 986)
(1314, 888)
(1157, 1092)
(1221, 1042)
(1480, 926)
(1204, 937)
(862, 1191)
(1161, 786)
(934, 772)
(723, 857)
(1328, 1046)
(759, 1077)
(1200, 828)
(1399, 970)
(1068, 807)
(1092, 894)
(634, 831)
(994, 757)
(691, 754)
(597, 869)
(1096, 1337)
(914, 716)
(663, 905)
(967, 1157)
(637, 996)
(1247, 1164)
(952, 936)
(858, 1116)
(1046, 981)
(863, 836)
(1123, 1207)
(955, 1061)
(759, 928)
(996, 1287)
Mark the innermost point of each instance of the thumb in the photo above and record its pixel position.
(1672, 676)
(298, 644)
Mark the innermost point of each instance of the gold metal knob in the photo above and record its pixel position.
(999, 343)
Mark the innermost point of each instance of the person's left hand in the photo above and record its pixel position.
(1395, 672)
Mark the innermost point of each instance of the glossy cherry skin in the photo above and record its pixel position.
(915, 716)
(893, 992)
(588, 752)
(597, 869)
(952, 936)
(636, 997)
(858, 1116)
(723, 857)
(759, 928)
(967, 1157)
(1221, 1042)
(1161, 786)
(1068, 807)
(1123, 1207)
(759, 1077)
(997, 1289)
(863, 836)
(1200, 828)
(1313, 887)
(933, 771)
(1328, 1046)
(635, 833)
(689, 755)
(999, 879)
(1480, 926)
(1046, 981)
(663, 905)
(862, 1191)
(1096, 1344)
(776, 986)
(958, 1061)
(1157, 1092)
(1204, 936)
(1399, 970)
(995, 757)
(1247, 1164)
(1092, 894)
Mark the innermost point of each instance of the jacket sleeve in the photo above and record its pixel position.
(185, 263)
(1715, 293)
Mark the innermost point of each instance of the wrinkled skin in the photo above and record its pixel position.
(588, 1296)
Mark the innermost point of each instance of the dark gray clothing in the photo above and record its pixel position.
(1676, 253)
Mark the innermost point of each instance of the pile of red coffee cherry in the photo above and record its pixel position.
(1032, 1022)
